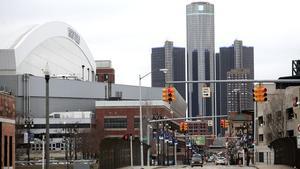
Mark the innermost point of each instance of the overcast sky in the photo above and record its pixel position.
(124, 31)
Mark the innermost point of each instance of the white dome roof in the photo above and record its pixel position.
(56, 43)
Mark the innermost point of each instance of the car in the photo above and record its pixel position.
(197, 160)
(221, 161)
(211, 159)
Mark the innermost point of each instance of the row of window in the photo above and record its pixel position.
(119, 123)
(53, 146)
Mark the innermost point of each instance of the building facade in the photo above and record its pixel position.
(171, 58)
(200, 54)
(277, 118)
(239, 95)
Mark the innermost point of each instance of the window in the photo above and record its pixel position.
(5, 151)
(261, 157)
(261, 138)
(260, 121)
(10, 151)
(115, 123)
(290, 133)
(136, 123)
(290, 113)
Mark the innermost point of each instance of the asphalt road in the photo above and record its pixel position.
(206, 166)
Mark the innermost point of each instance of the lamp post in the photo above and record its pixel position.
(47, 78)
(141, 118)
(28, 124)
(149, 127)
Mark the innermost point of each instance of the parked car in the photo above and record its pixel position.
(211, 159)
(197, 160)
(221, 161)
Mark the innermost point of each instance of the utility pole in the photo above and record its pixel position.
(175, 151)
(131, 155)
(47, 78)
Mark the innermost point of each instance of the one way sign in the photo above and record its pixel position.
(205, 92)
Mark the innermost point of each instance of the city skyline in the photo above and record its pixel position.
(109, 25)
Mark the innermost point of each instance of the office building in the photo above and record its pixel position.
(239, 95)
(200, 55)
(171, 58)
(237, 57)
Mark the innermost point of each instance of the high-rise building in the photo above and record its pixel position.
(200, 55)
(239, 96)
(171, 58)
(234, 62)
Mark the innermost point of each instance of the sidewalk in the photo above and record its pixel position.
(264, 166)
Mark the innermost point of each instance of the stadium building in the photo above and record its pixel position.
(59, 48)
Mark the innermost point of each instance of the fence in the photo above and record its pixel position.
(115, 153)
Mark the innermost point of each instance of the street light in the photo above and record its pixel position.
(149, 127)
(28, 125)
(47, 78)
(141, 119)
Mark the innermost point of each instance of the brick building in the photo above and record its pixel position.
(104, 71)
(7, 130)
(117, 118)
(114, 119)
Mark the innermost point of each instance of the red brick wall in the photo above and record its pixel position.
(130, 113)
(111, 74)
(7, 106)
(7, 113)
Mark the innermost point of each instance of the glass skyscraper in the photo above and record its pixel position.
(200, 55)
(173, 59)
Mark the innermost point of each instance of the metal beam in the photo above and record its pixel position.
(185, 118)
(238, 81)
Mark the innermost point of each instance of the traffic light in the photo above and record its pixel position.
(181, 126)
(222, 123)
(185, 128)
(260, 93)
(165, 96)
(226, 124)
(171, 94)
(126, 137)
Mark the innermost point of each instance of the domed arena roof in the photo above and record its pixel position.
(55, 44)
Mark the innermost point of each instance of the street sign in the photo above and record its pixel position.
(205, 92)
(210, 123)
(199, 140)
(298, 142)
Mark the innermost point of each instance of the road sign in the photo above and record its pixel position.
(210, 123)
(205, 92)
(199, 140)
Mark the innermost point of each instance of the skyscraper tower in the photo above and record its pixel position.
(200, 55)
(234, 62)
(173, 59)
